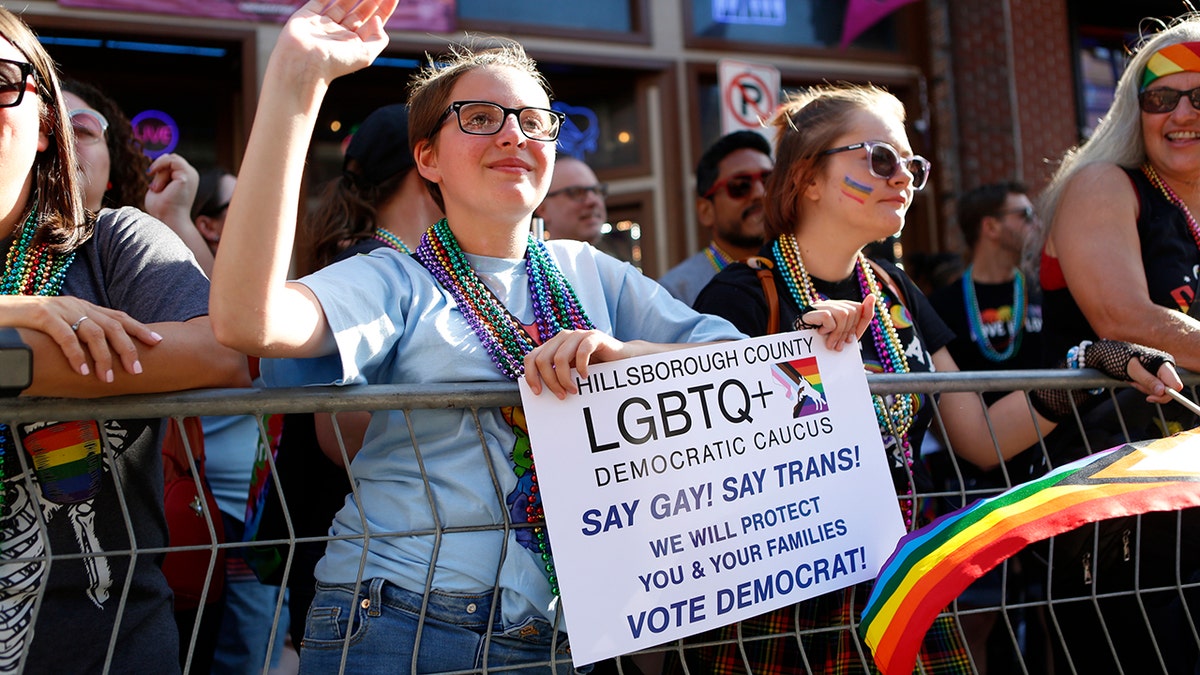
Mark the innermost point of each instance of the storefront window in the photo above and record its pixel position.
(1100, 65)
(603, 126)
(594, 15)
(800, 23)
(182, 95)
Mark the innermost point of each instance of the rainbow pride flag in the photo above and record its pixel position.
(933, 565)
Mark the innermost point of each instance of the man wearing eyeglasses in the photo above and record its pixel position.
(729, 192)
(574, 206)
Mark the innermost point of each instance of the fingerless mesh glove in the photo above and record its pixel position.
(1110, 357)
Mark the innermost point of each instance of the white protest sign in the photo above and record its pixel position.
(749, 95)
(700, 487)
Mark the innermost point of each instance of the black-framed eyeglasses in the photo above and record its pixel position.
(739, 185)
(578, 193)
(13, 78)
(484, 118)
(1026, 212)
(883, 161)
(1164, 99)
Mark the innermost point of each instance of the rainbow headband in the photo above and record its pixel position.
(1179, 58)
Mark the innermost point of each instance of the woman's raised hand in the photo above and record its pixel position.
(336, 37)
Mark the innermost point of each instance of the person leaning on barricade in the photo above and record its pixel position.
(109, 304)
(1117, 252)
(845, 176)
(479, 300)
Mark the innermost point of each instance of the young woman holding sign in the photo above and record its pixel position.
(479, 300)
(844, 177)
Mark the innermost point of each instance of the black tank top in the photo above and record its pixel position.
(1170, 257)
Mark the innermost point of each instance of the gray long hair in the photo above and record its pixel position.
(1118, 138)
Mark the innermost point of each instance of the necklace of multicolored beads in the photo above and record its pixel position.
(718, 258)
(555, 308)
(975, 317)
(391, 240)
(29, 270)
(1162, 186)
(897, 417)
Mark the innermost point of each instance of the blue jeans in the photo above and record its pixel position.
(248, 616)
(453, 637)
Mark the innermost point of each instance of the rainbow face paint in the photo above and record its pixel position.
(855, 190)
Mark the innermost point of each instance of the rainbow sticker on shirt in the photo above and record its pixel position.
(520, 500)
(801, 382)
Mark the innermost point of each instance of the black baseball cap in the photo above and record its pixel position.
(379, 147)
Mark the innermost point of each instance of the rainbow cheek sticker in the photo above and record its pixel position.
(856, 191)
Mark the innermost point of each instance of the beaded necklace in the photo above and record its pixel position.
(555, 308)
(1162, 186)
(718, 258)
(975, 318)
(895, 417)
(391, 241)
(29, 270)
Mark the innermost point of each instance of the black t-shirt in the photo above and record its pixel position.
(995, 309)
(135, 264)
(737, 295)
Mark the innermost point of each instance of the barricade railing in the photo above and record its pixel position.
(1022, 602)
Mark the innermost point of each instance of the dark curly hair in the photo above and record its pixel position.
(127, 162)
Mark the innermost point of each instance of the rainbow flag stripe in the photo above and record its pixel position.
(807, 368)
(933, 565)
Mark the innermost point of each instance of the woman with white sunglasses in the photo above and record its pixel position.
(844, 177)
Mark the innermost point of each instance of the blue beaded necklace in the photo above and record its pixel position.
(29, 270)
(391, 240)
(975, 318)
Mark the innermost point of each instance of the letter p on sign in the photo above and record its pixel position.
(749, 95)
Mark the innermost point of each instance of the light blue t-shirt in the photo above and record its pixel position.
(393, 323)
(685, 280)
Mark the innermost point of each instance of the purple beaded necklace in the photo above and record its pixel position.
(555, 308)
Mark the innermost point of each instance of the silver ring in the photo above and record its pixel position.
(75, 326)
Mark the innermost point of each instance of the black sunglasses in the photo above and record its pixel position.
(739, 185)
(883, 161)
(13, 75)
(1164, 99)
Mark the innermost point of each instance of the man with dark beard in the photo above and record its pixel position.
(729, 190)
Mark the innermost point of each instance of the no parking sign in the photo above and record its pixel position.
(749, 95)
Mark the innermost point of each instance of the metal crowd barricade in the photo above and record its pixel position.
(1014, 612)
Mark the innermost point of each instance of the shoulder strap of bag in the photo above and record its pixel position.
(762, 267)
(175, 450)
(891, 284)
